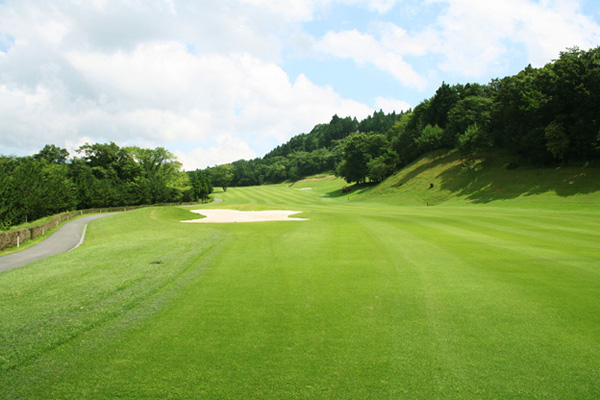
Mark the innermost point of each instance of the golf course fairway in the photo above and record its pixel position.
(363, 300)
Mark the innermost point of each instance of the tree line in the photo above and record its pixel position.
(320, 150)
(541, 116)
(102, 175)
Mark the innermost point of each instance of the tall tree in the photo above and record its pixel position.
(28, 189)
(9, 214)
(442, 102)
(159, 168)
(430, 138)
(222, 175)
(201, 187)
(359, 150)
(52, 154)
(468, 111)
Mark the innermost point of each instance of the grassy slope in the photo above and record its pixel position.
(521, 187)
(364, 300)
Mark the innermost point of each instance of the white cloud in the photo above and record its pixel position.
(366, 49)
(151, 74)
(290, 10)
(397, 39)
(382, 6)
(305, 10)
(160, 93)
(225, 93)
(389, 105)
(168, 126)
(227, 149)
(171, 6)
(475, 37)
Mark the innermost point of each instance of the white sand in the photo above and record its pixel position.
(228, 216)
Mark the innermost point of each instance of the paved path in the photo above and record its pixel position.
(66, 238)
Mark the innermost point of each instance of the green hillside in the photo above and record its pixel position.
(493, 182)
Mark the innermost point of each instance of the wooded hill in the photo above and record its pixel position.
(541, 116)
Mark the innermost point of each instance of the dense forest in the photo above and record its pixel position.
(541, 116)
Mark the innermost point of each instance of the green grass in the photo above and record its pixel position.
(372, 298)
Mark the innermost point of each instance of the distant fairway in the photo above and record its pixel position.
(368, 299)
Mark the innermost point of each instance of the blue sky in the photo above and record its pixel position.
(214, 82)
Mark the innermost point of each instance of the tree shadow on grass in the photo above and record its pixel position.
(358, 188)
(495, 182)
(425, 166)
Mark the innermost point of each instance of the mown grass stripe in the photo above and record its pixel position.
(527, 249)
(525, 229)
(475, 297)
(582, 243)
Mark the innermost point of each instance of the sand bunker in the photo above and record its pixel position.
(228, 216)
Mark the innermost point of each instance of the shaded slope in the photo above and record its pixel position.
(442, 179)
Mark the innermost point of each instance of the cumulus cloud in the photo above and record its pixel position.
(382, 6)
(226, 149)
(160, 93)
(96, 71)
(366, 49)
(475, 36)
(305, 10)
(290, 10)
(468, 38)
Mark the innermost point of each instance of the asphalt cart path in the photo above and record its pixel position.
(67, 237)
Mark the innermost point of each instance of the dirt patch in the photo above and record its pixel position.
(230, 216)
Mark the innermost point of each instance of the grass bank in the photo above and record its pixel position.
(440, 178)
